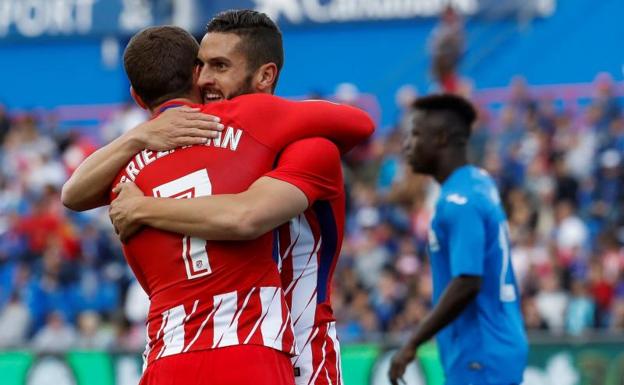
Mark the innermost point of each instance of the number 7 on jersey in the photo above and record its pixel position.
(196, 184)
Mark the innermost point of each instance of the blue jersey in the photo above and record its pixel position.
(469, 235)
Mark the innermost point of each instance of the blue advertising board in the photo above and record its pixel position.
(31, 19)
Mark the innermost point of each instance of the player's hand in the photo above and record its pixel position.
(122, 209)
(399, 362)
(177, 127)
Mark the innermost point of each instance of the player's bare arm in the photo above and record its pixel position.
(298, 180)
(90, 184)
(267, 204)
(458, 295)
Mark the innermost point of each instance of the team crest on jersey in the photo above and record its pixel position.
(456, 198)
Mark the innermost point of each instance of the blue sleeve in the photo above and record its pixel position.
(466, 238)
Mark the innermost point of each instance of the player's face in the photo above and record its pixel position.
(420, 144)
(223, 72)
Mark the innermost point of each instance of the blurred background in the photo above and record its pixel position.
(546, 76)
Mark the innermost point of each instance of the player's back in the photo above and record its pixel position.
(486, 344)
(207, 294)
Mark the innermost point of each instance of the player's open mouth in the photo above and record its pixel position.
(212, 97)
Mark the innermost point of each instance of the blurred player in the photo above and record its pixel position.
(476, 315)
(220, 295)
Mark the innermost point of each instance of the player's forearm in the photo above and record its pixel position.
(90, 184)
(457, 296)
(217, 217)
(267, 204)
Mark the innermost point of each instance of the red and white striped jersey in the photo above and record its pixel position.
(206, 295)
(309, 249)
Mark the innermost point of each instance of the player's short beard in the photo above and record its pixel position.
(245, 88)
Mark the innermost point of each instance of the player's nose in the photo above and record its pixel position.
(206, 77)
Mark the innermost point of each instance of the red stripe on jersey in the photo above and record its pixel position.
(204, 332)
(318, 345)
(250, 333)
(321, 363)
(330, 373)
(286, 244)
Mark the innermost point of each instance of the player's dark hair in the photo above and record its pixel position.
(159, 62)
(458, 113)
(261, 39)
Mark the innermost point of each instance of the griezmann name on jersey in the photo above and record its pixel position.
(469, 235)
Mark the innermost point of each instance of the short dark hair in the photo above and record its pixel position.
(261, 39)
(458, 111)
(159, 62)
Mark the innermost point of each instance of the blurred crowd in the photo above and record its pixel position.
(559, 170)
(64, 282)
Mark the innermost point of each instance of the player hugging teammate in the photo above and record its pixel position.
(255, 311)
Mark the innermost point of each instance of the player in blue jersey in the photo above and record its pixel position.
(476, 316)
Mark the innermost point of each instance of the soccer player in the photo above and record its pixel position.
(309, 246)
(476, 315)
(307, 249)
(223, 300)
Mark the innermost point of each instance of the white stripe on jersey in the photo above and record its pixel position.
(148, 349)
(293, 225)
(163, 322)
(173, 339)
(225, 323)
(304, 360)
(271, 324)
(192, 311)
(303, 286)
(329, 381)
(331, 332)
(293, 350)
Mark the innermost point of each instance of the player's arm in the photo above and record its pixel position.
(90, 184)
(308, 170)
(460, 292)
(288, 121)
(466, 234)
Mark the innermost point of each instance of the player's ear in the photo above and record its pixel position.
(137, 99)
(442, 138)
(196, 73)
(265, 78)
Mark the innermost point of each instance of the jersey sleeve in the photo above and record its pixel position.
(313, 166)
(466, 237)
(283, 121)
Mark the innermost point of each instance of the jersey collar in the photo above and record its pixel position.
(171, 104)
(457, 173)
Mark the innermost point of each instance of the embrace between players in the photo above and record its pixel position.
(239, 271)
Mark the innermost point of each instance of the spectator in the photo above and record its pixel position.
(5, 123)
(14, 323)
(56, 336)
(91, 335)
(551, 302)
(447, 47)
(580, 311)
